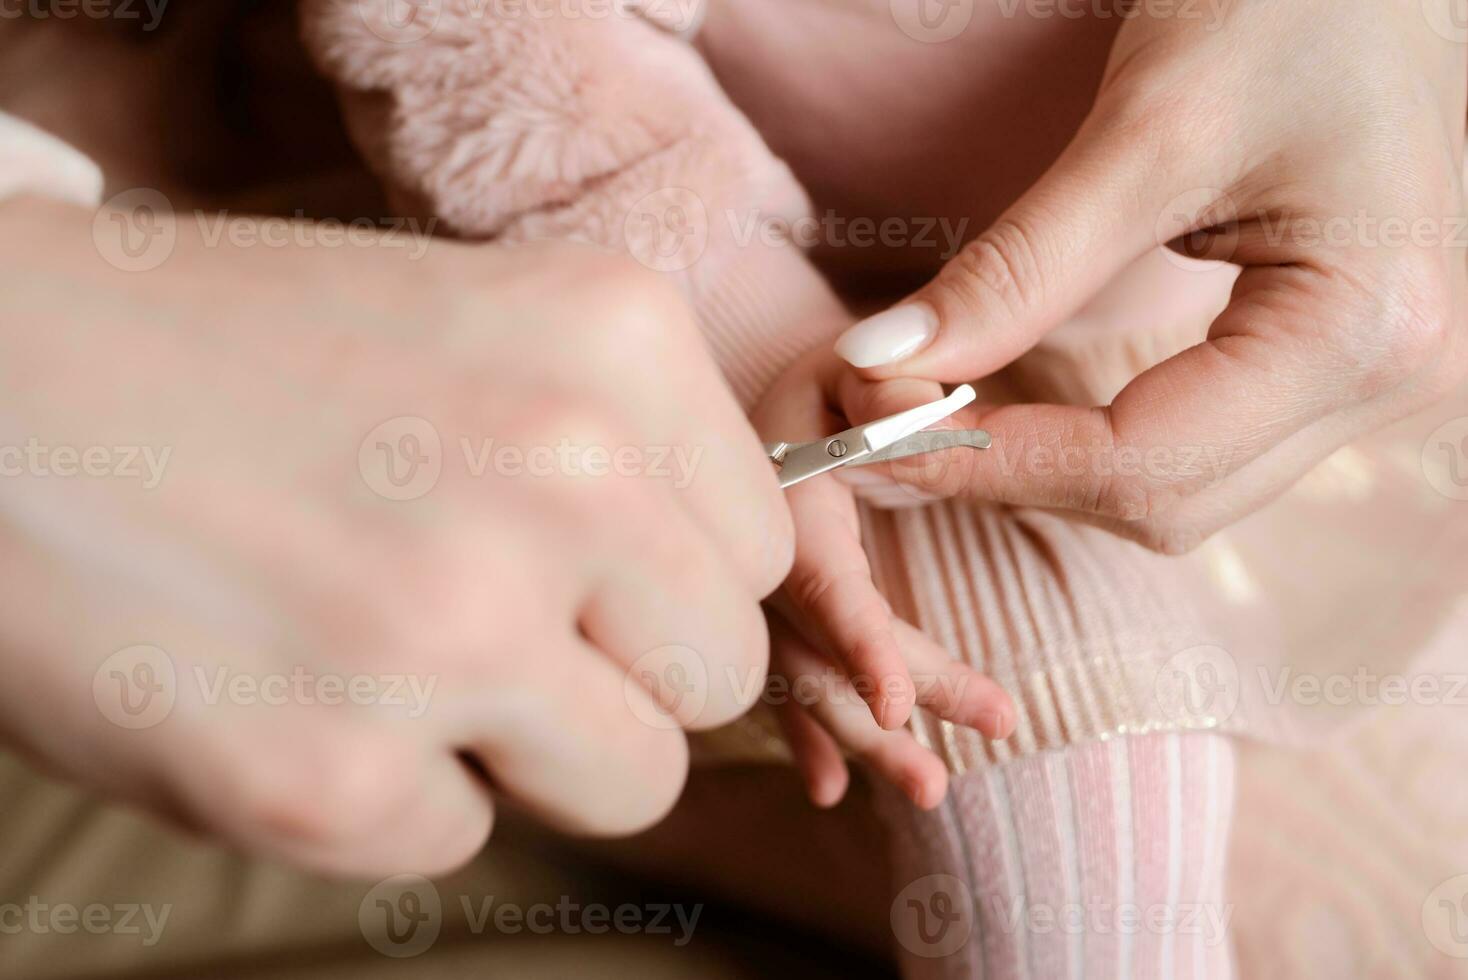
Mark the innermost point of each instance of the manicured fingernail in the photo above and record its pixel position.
(890, 336)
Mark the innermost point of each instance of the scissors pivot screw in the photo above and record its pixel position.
(894, 437)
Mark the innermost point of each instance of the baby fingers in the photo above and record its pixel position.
(953, 690)
(830, 586)
(820, 710)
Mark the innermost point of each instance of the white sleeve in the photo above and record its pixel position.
(33, 161)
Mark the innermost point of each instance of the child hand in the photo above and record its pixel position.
(851, 671)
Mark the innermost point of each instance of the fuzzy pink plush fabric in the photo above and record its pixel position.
(508, 122)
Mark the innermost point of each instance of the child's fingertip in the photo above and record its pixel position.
(826, 792)
(893, 701)
(890, 713)
(928, 794)
(998, 725)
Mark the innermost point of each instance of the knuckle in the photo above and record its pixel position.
(570, 417)
(638, 309)
(811, 587)
(1158, 120)
(313, 797)
(1122, 498)
(999, 271)
(1417, 316)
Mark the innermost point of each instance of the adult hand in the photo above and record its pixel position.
(1317, 144)
(350, 531)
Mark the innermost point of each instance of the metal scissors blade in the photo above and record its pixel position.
(799, 462)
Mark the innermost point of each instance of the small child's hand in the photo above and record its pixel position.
(834, 640)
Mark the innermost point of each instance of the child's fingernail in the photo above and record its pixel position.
(860, 476)
(890, 336)
(997, 725)
(894, 705)
(888, 498)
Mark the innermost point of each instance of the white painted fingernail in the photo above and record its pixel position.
(890, 336)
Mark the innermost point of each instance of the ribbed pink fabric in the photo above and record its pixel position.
(1098, 861)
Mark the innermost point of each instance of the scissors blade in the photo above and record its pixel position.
(921, 443)
(884, 432)
(855, 445)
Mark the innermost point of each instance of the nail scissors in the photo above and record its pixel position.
(895, 437)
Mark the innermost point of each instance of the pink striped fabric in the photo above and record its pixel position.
(1102, 860)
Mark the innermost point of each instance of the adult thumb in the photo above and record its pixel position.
(1094, 212)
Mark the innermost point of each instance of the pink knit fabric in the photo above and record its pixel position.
(1099, 861)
